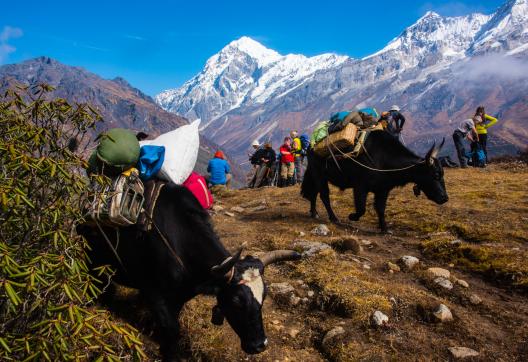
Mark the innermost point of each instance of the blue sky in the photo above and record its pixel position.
(157, 45)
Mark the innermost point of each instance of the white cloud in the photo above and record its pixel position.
(497, 66)
(6, 35)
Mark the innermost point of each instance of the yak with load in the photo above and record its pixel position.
(180, 257)
(383, 164)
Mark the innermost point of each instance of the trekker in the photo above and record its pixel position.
(287, 163)
(298, 156)
(267, 159)
(254, 160)
(395, 122)
(482, 128)
(220, 172)
(465, 130)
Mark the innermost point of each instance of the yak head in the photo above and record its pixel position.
(240, 298)
(430, 177)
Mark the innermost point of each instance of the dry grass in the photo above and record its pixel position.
(487, 211)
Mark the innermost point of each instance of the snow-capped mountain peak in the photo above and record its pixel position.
(252, 48)
(242, 71)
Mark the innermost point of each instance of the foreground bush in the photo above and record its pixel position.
(46, 290)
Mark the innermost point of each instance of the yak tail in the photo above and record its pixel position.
(309, 187)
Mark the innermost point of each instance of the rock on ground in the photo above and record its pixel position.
(409, 262)
(281, 288)
(444, 283)
(230, 214)
(331, 334)
(310, 248)
(462, 283)
(321, 230)
(392, 267)
(379, 319)
(439, 272)
(443, 314)
(462, 352)
(257, 208)
(237, 209)
(475, 299)
(217, 208)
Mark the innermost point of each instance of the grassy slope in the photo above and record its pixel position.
(487, 212)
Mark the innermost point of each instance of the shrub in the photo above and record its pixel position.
(47, 294)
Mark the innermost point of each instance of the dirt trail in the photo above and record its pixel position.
(347, 289)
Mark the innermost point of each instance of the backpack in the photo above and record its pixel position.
(305, 144)
(198, 186)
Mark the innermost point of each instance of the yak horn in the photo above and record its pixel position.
(279, 255)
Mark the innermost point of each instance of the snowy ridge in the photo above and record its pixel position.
(248, 89)
(243, 70)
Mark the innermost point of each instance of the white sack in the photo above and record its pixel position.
(181, 152)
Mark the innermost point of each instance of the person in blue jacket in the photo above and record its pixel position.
(219, 170)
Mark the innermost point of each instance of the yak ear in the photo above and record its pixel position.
(222, 269)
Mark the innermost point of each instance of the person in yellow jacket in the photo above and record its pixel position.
(482, 128)
(299, 157)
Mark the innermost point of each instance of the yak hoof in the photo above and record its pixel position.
(335, 220)
(387, 231)
(353, 217)
(314, 215)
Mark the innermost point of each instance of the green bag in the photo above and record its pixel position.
(319, 133)
(118, 148)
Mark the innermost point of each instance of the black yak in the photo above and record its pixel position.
(385, 164)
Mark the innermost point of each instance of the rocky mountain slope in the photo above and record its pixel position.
(438, 70)
(120, 104)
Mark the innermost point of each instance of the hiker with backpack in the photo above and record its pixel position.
(254, 159)
(298, 156)
(287, 158)
(263, 170)
(465, 130)
(482, 128)
(394, 121)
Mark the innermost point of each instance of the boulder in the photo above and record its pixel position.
(439, 272)
(392, 267)
(281, 288)
(409, 262)
(331, 334)
(379, 319)
(444, 283)
(218, 208)
(310, 248)
(321, 230)
(443, 314)
(257, 208)
(237, 209)
(347, 243)
(462, 352)
(475, 299)
(462, 283)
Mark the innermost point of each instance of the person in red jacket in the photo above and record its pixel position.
(287, 163)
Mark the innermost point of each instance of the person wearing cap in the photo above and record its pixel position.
(466, 129)
(267, 159)
(298, 156)
(395, 122)
(254, 159)
(219, 170)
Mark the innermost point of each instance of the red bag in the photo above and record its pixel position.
(198, 186)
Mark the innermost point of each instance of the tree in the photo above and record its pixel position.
(47, 293)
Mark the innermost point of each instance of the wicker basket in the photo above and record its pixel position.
(343, 140)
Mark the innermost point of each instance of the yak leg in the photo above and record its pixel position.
(380, 203)
(313, 209)
(360, 202)
(166, 315)
(325, 198)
